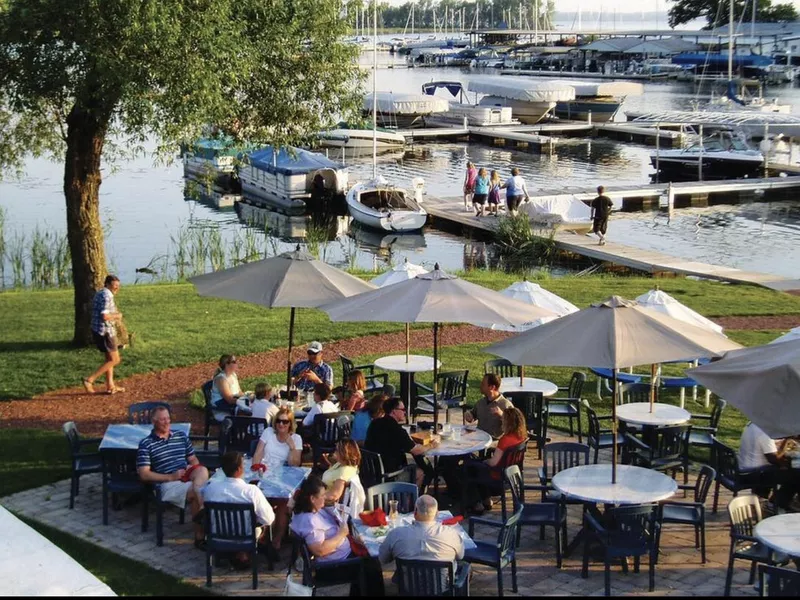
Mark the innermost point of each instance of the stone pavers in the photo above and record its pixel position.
(679, 571)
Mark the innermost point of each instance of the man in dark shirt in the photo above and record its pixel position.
(387, 437)
(601, 208)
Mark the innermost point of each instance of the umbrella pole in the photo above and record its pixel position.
(614, 426)
(289, 355)
(653, 374)
(408, 340)
(435, 376)
(521, 375)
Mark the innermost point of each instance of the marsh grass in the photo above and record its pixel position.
(2, 246)
(519, 247)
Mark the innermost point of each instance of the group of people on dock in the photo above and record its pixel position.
(482, 191)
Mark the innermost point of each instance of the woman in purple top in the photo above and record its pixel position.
(469, 185)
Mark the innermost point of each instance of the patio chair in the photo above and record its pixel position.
(424, 578)
(703, 436)
(239, 433)
(326, 430)
(406, 494)
(317, 575)
(478, 473)
(744, 513)
(775, 581)
(230, 527)
(568, 406)
(558, 456)
(210, 419)
(498, 554)
(83, 463)
(501, 367)
(533, 406)
(600, 438)
(372, 473)
(139, 413)
(451, 394)
(120, 476)
(541, 514)
(375, 381)
(668, 452)
(691, 513)
(726, 463)
(626, 531)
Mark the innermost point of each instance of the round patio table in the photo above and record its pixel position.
(635, 485)
(781, 533)
(415, 364)
(471, 441)
(662, 415)
(510, 385)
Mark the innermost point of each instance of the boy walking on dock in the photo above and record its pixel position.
(601, 209)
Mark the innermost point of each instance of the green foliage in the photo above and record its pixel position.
(519, 246)
(716, 12)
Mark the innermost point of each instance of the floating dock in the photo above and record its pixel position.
(587, 75)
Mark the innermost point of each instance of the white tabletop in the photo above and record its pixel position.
(635, 485)
(471, 441)
(781, 533)
(529, 384)
(663, 414)
(415, 363)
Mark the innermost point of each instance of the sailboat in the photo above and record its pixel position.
(375, 203)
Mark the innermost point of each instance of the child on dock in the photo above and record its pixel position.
(601, 209)
(481, 192)
(494, 193)
(469, 185)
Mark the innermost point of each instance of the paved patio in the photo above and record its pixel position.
(679, 571)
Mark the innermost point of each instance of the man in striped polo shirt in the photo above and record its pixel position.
(167, 458)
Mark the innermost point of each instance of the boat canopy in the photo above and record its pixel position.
(454, 87)
(284, 163)
(519, 88)
(720, 60)
(211, 148)
(406, 104)
(616, 89)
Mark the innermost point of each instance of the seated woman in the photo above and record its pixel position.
(225, 390)
(279, 445)
(263, 407)
(347, 458)
(326, 537)
(354, 391)
(365, 416)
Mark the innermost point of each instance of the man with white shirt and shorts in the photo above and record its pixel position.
(763, 464)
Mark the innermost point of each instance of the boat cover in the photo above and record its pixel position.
(522, 88)
(211, 148)
(616, 89)
(284, 163)
(454, 87)
(721, 59)
(406, 104)
(558, 209)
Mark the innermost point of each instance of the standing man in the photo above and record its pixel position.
(166, 458)
(307, 373)
(489, 409)
(515, 191)
(104, 334)
(601, 209)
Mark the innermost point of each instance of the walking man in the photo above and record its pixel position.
(515, 191)
(601, 209)
(104, 334)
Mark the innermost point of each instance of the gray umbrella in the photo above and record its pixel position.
(612, 334)
(434, 297)
(292, 279)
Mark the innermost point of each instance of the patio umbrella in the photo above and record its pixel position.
(793, 334)
(763, 382)
(613, 334)
(398, 273)
(292, 279)
(434, 297)
(665, 304)
(533, 293)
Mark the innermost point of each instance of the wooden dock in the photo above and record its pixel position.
(451, 210)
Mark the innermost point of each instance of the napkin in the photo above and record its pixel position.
(376, 518)
(258, 467)
(453, 520)
(188, 473)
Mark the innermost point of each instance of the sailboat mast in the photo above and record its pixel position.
(730, 40)
(374, 89)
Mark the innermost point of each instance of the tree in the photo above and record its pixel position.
(716, 11)
(88, 81)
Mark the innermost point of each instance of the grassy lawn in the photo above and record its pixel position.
(31, 458)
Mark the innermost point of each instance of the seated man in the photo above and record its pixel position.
(489, 409)
(235, 489)
(163, 458)
(425, 538)
(385, 436)
(307, 373)
(763, 464)
(322, 404)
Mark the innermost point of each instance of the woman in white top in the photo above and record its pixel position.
(225, 390)
(279, 445)
(323, 404)
(263, 407)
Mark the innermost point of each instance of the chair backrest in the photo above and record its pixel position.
(425, 577)
(378, 496)
(514, 482)
(636, 392)
(724, 461)
(329, 428)
(452, 384)
(635, 523)
(501, 367)
(371, 468)
(558, 456)
(716, 413)
(206, 389)
(241, 432)
(119, 465)
(702, 484)
(533, 407)
(514, 456)
(594, 423)
(776, 581)
(744, 513)
(507, 537)
(73, 437)
(347, 366)
(576, 384)
(671, 442)
(230, 522)
(139, 413)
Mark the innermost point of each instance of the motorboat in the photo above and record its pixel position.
(379, 205)
(529, 100)
(722, 154)
(212, 162)
(402, 110)
(598, 101)
(480, 116)
(284, 179)
(361, 139)
(747, 94)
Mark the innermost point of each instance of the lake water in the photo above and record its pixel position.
(143, 205)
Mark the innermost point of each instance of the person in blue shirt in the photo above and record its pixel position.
(307, 373)
(481, 192)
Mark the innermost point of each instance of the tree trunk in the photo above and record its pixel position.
(86, 131)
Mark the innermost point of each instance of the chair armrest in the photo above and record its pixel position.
(606, 418)
(708, 429)
(542, 477)
(420, 386)
(87, 441)
(685, 487)
(746, 538)
(595, 524)
(532, 487)
(706, 417)
(384, 377)
(362, 368)
(563, 388)
(482, 521)
(695, 504)
(639, 444)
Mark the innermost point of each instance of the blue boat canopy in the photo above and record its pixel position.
(454, 87)
(721, 60)
(284, 163)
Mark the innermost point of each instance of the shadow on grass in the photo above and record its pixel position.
(36, 346)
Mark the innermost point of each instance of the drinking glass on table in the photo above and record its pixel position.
(393, 514)
(456, 434)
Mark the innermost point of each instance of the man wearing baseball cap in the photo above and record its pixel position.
(307, 373)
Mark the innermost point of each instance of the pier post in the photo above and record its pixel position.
(700, 161)
(766, 153)
(658, 148)
(670, 200)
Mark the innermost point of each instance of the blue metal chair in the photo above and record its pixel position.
(500, 554)
(669, 450)
(490, 479)
(703, 436)
(626, 531)
(422, 578)
(558, 456)
(153, 492)
(371, 471)
(775, 581)
(533, 407)
(327, 430)
(139, 413)
(210, 419)
(726, 463)
(406, 494)
(121, 477)
(568, 406)
(691, 513)
(230, 527)
(83, 463)
(325, 574)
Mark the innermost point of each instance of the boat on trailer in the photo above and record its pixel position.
(529, 100)
(382, 206)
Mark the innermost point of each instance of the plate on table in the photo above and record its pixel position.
(379, 532)
(470, 428)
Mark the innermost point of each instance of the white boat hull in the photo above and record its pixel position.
(529, 113)
(387, 219)
(361, 138)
